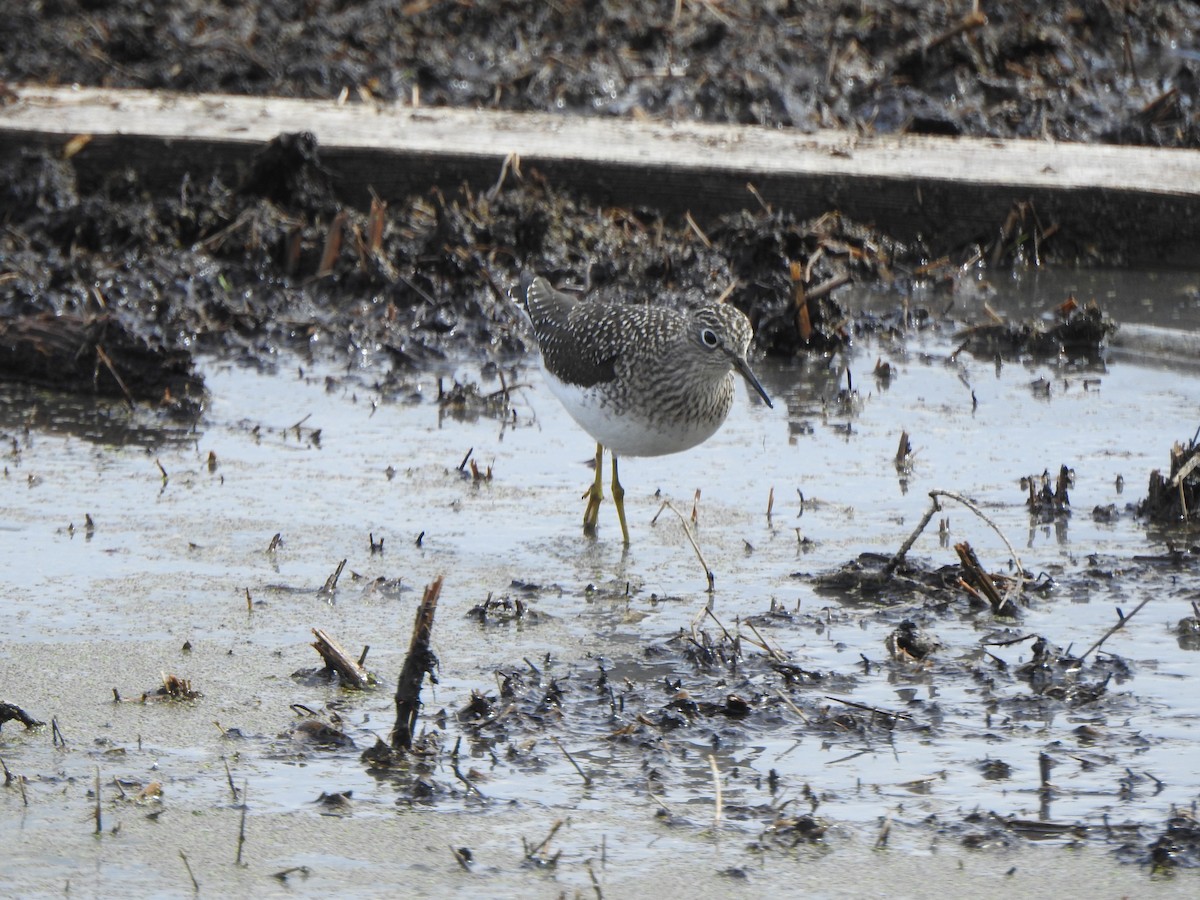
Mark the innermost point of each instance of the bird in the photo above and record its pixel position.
(642, 380)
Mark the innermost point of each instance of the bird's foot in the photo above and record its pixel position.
(592, 513)
(594, 495)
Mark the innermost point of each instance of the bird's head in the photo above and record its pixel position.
(723, 333)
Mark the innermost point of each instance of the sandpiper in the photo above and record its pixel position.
(641, 380)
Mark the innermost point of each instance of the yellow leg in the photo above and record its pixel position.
(594, 495)
(618, 493)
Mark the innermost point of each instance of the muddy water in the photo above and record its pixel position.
(162, 581)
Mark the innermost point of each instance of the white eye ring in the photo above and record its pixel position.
(710, 339)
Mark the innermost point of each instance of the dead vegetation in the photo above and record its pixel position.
(10, 712)
(1173, 498)
(1078, 331)
(1083, 72)
(274, 259)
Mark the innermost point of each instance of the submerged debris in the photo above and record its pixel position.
(1178, 846)
(789, 831)
(1187, 630)
(466, 402)
(1174, 498)
(173, 688)
(909, 642)
(10, 711)
(323, 735)
(1046, 504)
(501, 610)
(1076, 331)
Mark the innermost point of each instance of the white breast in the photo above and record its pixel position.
(628, 434)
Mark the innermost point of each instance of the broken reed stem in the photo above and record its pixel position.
(657, 799)
(99, 823)
(978, 581)
(697, 231)
(187, 865)
(895, 561)
(716, 777)
(108, 364)
(884, 831)
(826, 287)
(229, 778)
(771, 651)
(788, 700)
(467, 782)
(595, 882)
(1113, 630)
(376, 220)
(712, 615)
(331, 582)
(336, 659)
(512, 163)
(333, 244)
(582, 774)
(1045, 767)
(538, 849)
(766, 207)
(886, 713)
(242, 827)
(419, 661)
(667, 504)
(975, 20)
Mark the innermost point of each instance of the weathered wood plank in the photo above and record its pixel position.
(1132, 204)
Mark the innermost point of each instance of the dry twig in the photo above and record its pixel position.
(1120, 624)
(666, 504)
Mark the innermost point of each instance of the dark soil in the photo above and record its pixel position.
(247, 264)
(1118, 72)
(275, 260)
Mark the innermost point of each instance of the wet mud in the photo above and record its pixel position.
(823, 701)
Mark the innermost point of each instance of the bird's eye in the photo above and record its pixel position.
(709, 337)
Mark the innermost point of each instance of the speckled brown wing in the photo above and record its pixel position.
(588, 343)
(556, 322)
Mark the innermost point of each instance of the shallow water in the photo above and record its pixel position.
(172, 561)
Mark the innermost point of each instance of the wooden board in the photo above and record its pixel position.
(1127, 204)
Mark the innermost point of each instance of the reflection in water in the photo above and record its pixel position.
(25, 410)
